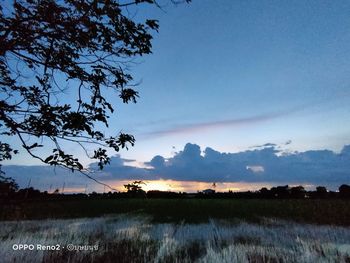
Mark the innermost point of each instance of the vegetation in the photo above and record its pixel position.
(8, 187)
(128, 238)
(290, 203)
(9, 190)
(57, 69)
(134, 189)
(280, 224)
(336, 211)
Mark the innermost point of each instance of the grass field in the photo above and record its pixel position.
(177, 230)
(127, 239)
(332, 211)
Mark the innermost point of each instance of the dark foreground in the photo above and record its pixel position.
(322, 211)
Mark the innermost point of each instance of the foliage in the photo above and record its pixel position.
(7, 186)
(5, 153)
(134, 186)
(344, 190)
(78, 49)
(192, 210)
(135, 189)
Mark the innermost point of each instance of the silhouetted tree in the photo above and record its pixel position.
(344, 191)
(50, 49)
(321, 192)
(8, 186)
(297, 192)
(280, 191)
(163, 194)
(134, 186)
(264, 192)
(29, 193)
(321, 189)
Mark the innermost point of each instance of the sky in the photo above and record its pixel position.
(230, 75)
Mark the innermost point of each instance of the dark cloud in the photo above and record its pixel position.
(288, 142)
(262, 164)
(157, 162)
(119, 169)
(265, 145)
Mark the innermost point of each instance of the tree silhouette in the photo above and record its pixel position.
(280, 191)
(344, 191)
(53, 50)
(135, 189)
(134, 186)
(297, 192)
(265, 193)
(7, 186)
(321, 192)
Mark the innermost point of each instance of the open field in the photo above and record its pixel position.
(129, 238)
(177, 230)
(330, 211)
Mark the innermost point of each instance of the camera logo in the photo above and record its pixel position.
(23, 247)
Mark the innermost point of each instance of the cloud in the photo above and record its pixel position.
(265, 145)
(265, 165)
(256, 168)
(157, 162)
(48, 177)
(288, 142)
(235, 122)
(189, 128)
(259, 165)
(115, 162)
(119, 169)
(44, 177)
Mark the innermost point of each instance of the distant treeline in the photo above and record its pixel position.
(10, 190)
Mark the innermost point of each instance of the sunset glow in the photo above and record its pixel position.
(174, 186)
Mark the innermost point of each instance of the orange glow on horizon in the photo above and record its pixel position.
(173, 186)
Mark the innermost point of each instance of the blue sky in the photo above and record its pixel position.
(233, 74)
(284, 64)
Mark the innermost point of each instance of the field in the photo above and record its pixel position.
(188, 230)
(129, 238)
(327, 211)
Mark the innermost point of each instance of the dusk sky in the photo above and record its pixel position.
(233, 75)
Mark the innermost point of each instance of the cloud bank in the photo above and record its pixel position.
(261, 164)
(265, 164)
